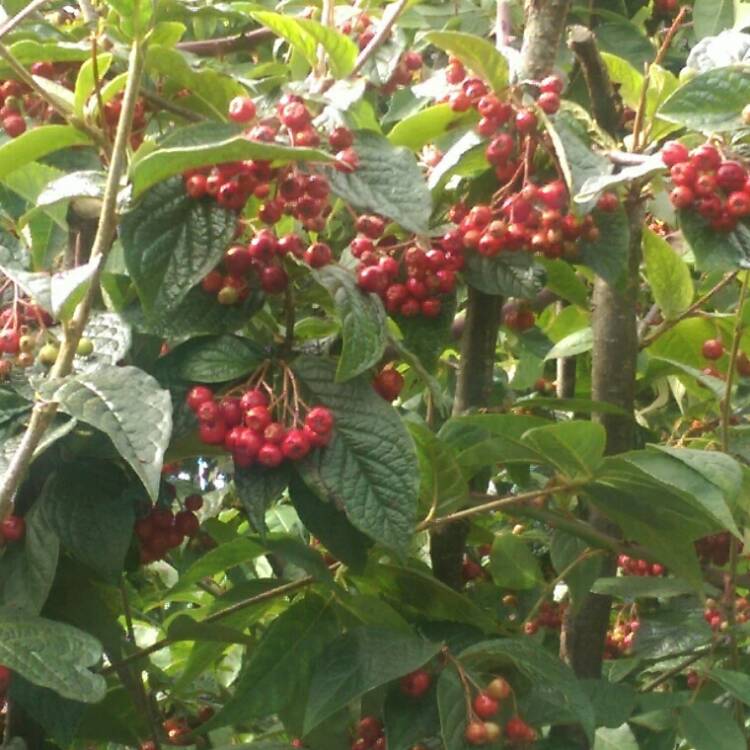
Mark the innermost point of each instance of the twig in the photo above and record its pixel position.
(11, 23)
(689, 312)
(664, 676)
(391, 14)
(43, 413)
(503, 25)
(170, 106)
(227, 44)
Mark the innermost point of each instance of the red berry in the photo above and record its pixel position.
(213, 282)
(552, 84)
(319, 420)
(248, 443)
(231, 411)
(413, 60)
(295, 116)
(526, 121)
(499, 689)
(608, 202)
(274, 433)
(237, 260)
(516, 729)
(198, 395)
(369, 729)
(731, 176)
(553, 195)
(5, 678)
(196, 186)
(705, 158)
(270, 455)
(193, 502)
(9, 341)
(318, 255)
(738, 204)
(14, 125)
(430, 307)
(485, 706)
(296, 445)
(187, 523)
(416, 684)
(388, 383)
(241, 109)
(371, 226)
(273, 280)
(549, 102)
(712, 349)
(372, 279)
(341, 138)
(459, 102)
(673, 152)
(476, 733)
(257, 418)
(209, 411)
(212, 433)
(682, 196)
(13, 529)
(253, 397)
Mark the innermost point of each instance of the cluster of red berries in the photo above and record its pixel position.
(12, 529)
(161, 530)
(620, 638)
(369, 735)
(113, 110)
(714, 548)
(23, 327)
(250, 425)
(550, 616)
(518, 316)
(631, 566)
(717, 188)
(261, 258)
(486, 705)
(716, 617)
(388, 383)
(410, 280)
(180, 728)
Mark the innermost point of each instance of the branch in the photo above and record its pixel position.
(503, 24)
(43, 413)
(545, 21)
(390, 15)
(227, 44)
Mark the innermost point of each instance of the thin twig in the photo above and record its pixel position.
(664, 676)
(170, 106)
(391, 14)
(667, 325)
(11, 23)
(43, 413)
(227, 44)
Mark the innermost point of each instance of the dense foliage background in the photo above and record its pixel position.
(374, 374)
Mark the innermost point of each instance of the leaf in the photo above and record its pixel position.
(171, 242)
(565, 550)
(370, 468)
(608, 254)
(409, 721)
(363, 322)
(85, 507)
(111, 337)
(67, 288)
(357, 662)
(707, 726)
(83, 184)
(574, 448)
(330, 526)
(717, 386)
(36, 143)
(637, 587)
(613, 702)
(305, 34)
(85, 81)
(257, 488)
(712, 102)
(442, 483)
(218, 560)
(388, 181)
(127, 405)
(425, 126)
(668, 276)
(621, 738)
(466, 157)
(506, 279)
(282, 662)
(475, 53)
(565, 282)
(208, 143)
(735, 683)
(574, 343)
(512, 564)
(52, 655)
(715, 251)
(594, 186)
(712, 16)
(212, 359)
(452, 709)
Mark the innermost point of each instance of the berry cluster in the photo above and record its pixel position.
(388, 383)
(161, 530)
(409, 279)
(179, 728)
(620, 638)
(630, 566)
(714, 548)
(262, 258)
(550, 616)
(258, 426)
(113, 110)
(12, 529)
(486, 705)
(518, 316)
(715, 616)
(369, 735)
(717, 188)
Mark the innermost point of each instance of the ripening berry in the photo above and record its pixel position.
(499, 689)
(549, 102)
(13, 529)
(319, 420)
(241, 109)
(389, 383)
(485, 706)
(416, 684)
(14, 125)
(712, 349)
(476, 733)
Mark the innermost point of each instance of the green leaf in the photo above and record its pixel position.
(409, 721)
(715, 251)
(363, 322)
(672, 631)
(631, 588)
(208, 143)
(565, 282)
(212, 359)
(707, 726)
(594, 186)
(305, 34)
(257, 488)
(52, 655)
(330, 526)
(218, 560)
(111, 337)
(735, 683)
(370, 468)
(84, 505)
(717, 386)
(712, 16)
(282, 662)
(668, 275)
(171, 242)
(512, 564)
(83, 184)
(425, 126)
(127, 405)
(466, 157)
(621, 738)
(452, 709)
(85, 82)
(613, 702)
(68, 287)
(608, 254)
(475, 53)
(574, 343)
(36, 143)
(575, 448)
(516, 278)
(388, 181)
(357, 662)
(712, 102)
(442, 483)
(565, 549)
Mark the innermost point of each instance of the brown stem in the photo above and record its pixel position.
(390, 15)
(545, 22)
(227, 44)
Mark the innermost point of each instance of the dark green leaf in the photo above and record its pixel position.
(669, 632)
(127, 405)
(575, 448)
(452, 709)
(495, 276)
(735, 683)
(637, 587)
(257, 488)
(370, 468)
(613, 702)
(171, 242)
(357, 662)
(707, 726)
(715, 251)
(567, 550)
(512, 563)
(407, 721)
(608, 254)
(388, 181)
(111, 337)
(668, 276)
(363, 322)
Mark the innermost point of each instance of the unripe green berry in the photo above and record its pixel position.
(48, 354)
(85, 347)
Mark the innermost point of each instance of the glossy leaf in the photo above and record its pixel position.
(36, 143)
(507, 279)
(512, 564)
(668, 276)
(707, 726)
(715, 251)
